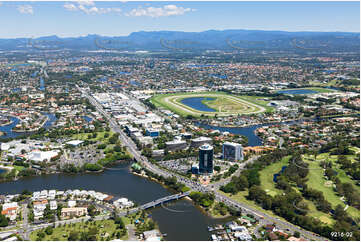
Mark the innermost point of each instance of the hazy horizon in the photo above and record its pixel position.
(80, 18)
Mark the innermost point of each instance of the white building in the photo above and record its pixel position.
(53, 205)
(41, 156)
(71, 203)
(123, 203)
(232, 151)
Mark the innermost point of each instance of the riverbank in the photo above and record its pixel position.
(8, 123)
(43, 172)
(119, 182)
(31, 130)
(6, 167)
(211, 213)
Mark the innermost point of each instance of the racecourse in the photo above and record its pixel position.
(223, 104)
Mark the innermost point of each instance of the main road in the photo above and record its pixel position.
(132, 148)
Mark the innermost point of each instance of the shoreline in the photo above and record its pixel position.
(32, 130)
(204, 211)
(6, 167)
(6, 124)
(51, 172)
(275, 122)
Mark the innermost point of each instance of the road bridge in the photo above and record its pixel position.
(155, 203)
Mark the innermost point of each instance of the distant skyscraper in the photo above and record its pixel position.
(232, 151)
(206, 159)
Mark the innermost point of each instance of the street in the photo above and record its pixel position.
(132, 148)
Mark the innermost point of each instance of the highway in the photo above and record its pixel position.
(132, 148)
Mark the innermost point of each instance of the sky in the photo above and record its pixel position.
(80, 18)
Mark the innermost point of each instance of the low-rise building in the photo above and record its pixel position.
(53, 205)
(74, 212)
(10, 210)
(197, 142)
(176, 145)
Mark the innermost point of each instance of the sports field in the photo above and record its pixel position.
(223, 104)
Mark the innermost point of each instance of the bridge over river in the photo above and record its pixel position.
(155, 203)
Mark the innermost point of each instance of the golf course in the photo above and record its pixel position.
(210, 104)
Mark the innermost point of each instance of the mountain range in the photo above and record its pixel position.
(194, 41)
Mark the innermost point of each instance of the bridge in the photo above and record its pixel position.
(155, 203)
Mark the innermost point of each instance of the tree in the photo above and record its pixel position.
(3, 221)
(49, 230)
(41, 234)
(217, 168)
(92, 211)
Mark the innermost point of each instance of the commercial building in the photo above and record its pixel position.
(232, 151)
(72, 212)
(195, 169)
(176, 145)
(197, 142)
(152, 132)
(206, 159)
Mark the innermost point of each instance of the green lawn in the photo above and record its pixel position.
(266, 176)
(313, 212)
(105, 229)
(19, 168)
(241, 197)
(100, 136)
(224, 103)
(316, 180)
(261, 101)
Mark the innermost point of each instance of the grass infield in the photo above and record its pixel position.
(224, 104)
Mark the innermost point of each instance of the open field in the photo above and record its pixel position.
(105, 228)
(223, 104)
(266, 176)
(99, 137)
(316, 180)
(313, 212)
(241, 197)
(267, 183)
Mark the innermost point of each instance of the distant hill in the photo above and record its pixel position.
(193, 41)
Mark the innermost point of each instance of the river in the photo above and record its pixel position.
(180, 220)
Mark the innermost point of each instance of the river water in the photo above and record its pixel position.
(8, 128)
(248, 131)
(180, 220)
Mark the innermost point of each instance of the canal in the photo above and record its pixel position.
(248, 131)
(180, 220)
(14, 121)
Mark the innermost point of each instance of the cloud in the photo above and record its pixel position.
(89, 7)
(70, 7)
(86, 2)
(25, 9)
(167, 10)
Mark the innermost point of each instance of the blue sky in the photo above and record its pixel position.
(79, 18)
